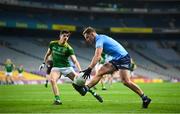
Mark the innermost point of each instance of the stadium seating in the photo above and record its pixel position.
(19, 58)
(94, 20)
(155, 60)
(149, 59)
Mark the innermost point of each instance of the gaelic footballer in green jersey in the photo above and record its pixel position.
(60, 51)
(20, 70)
(9, 67)
(60, 54)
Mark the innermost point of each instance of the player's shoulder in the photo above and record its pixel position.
(67, 45)
(102, 35)
(53, 42)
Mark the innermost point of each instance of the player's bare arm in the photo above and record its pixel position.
(75, 61)
(96, 58)
(48, 53)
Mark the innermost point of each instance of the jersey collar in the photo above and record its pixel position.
(96, 37)
(66, 44)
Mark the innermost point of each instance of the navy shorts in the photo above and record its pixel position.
(122, 63)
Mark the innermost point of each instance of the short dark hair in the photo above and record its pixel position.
(88, 30)
(64, 32)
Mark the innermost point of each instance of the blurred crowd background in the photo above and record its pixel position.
(148, 29)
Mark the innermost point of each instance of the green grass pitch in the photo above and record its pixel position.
(118, 99)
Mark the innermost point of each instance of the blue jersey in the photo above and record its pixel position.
(110, 46)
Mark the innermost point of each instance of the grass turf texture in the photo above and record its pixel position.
(118, 99)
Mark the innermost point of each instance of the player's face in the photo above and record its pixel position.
(8, 61)
(64, 37)
(89, 37)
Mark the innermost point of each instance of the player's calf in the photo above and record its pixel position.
(98, 97)
(81, 89)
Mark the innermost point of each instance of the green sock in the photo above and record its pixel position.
(57, 97)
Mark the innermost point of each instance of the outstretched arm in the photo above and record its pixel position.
(96, 58)
(48, 53)
(94, 61)
(75, 61)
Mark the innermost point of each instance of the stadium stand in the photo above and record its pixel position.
(156, 55)
(157, 60)
(153, 66)
(96, 20)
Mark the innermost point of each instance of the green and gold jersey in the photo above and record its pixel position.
(60, 54)
(9, 67)
(103, 57)
(133, 65)
(20, 70)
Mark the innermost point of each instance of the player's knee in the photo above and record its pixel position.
(52, 80)
(100, 73)
(126, 82)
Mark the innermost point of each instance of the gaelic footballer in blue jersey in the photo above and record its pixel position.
(121, 62)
